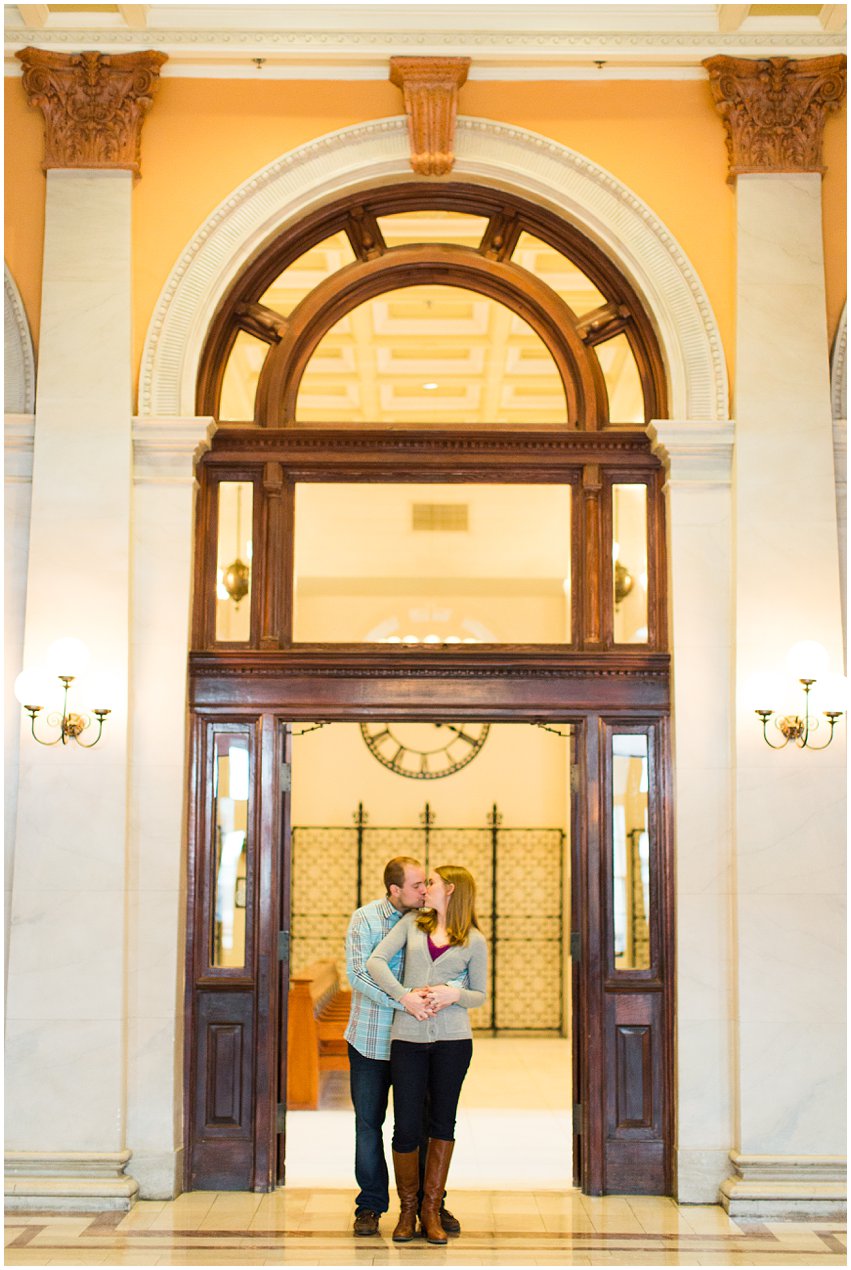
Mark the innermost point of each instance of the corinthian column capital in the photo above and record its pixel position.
(774, 110)
(93, 105)
(430, 89)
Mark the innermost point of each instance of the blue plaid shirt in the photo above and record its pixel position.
(371, 1014)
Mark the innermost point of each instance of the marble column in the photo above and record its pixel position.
(698, 459)
(19, 433)
(165, 452)
(19, 429)
(789, 819)
(839, 399)
(66, 1113)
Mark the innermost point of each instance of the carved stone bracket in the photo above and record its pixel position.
(774, 110)
(93, 105)
(430, 88)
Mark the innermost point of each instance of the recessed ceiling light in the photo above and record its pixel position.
(429, 386)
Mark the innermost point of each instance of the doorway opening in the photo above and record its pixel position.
(504, 814)
(436, 501)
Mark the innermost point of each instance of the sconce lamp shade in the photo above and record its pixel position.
(830, 692)
(765, 690)
(96, 690)
(808, 660)
(34, 688)
(68, 656)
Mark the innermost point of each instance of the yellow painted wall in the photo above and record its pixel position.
(522, 768)
(203, 138)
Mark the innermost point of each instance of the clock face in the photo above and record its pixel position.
(425, 751)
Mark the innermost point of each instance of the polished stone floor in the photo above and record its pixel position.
(510, 1185)
(300, 1227)
(513, 1130)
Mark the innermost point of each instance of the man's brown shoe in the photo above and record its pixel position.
(366, 1222)
(449, 1222)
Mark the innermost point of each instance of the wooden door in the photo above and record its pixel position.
(626, 988)
(232, 998)
(622, 1014)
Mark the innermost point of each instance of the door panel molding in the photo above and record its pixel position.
(232, 1013)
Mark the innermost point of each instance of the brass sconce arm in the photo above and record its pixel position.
(71, 725)
(796, 728)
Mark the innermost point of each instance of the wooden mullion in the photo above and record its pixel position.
(256, 576)
(273, 553)
(501, 235)
(265, 939)
(364, 234)
(594, 1054)
(205, 518)
(577, 560)
(593, 568)
(198, 781)
(603, 324)
(283, 890)
(668, 942)
(205, 555)
(657, 569)
(260, 321)
(286, 563)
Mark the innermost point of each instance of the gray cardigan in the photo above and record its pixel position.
(452, 1023)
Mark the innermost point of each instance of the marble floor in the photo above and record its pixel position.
(302, 1227)
(510, 1185)
(517, 1091)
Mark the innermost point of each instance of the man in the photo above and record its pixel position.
(368, 1036)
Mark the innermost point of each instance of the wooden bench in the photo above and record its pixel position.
(317, 1018)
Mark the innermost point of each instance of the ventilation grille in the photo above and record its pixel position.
(444, 516)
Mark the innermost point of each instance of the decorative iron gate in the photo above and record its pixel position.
(520, 902)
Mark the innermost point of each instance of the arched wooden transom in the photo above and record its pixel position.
(487, 268)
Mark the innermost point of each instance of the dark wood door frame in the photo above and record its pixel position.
(625, 1019)
(625, 1022)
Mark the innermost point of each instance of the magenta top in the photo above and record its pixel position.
(436, 949)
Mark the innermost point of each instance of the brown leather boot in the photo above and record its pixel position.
(434, 1184)
(406, 1165)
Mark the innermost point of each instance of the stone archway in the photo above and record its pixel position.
(700, 441)
(488, 153)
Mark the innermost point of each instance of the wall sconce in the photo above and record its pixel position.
(807, 662)
(66, 658)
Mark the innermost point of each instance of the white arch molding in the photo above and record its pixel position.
(487, 153)
(18, 359)
(839, 369)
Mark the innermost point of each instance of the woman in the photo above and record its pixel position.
(429, 1057)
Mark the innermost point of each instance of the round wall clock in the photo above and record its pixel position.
(425, 751)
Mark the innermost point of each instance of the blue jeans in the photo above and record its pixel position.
(369, 1080)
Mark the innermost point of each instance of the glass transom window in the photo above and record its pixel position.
(432, 564)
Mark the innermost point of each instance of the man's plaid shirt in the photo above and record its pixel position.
(371, 1014)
